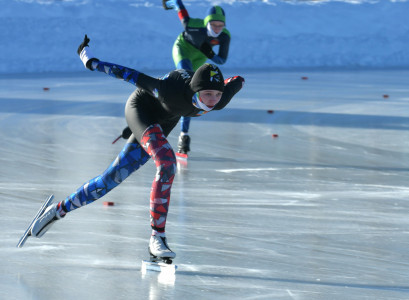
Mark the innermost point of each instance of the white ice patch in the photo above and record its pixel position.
(267, 169)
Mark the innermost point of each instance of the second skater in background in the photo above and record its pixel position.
(195, 45)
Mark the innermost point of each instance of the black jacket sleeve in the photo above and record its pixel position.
(232, 86)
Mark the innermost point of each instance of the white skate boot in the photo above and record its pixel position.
(45, 221)
(160, 256)
(40, 212)
(159, 249)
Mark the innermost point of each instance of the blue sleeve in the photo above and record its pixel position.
(149, 84)
(218, 60)
(221, 57)
(119, 72)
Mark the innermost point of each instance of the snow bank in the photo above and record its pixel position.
(43, 35)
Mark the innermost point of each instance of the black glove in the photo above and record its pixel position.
(83, 44)
(166, 6)
(207, 50)
(85, 54)
(227, 80)
(126, 133)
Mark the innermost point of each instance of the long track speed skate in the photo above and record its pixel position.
(158, 264)
(27, 233)
(183, 149)
(161, 261)
(181, 160)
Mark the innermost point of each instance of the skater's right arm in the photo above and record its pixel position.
(180, 8)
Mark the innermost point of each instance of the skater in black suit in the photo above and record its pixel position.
(152, 111)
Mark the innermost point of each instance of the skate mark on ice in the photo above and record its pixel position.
(270, 169)
(316, 282)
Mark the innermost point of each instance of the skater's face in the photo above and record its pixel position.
(217, 26)
(210, 97)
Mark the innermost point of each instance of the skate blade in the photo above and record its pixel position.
(158, 266)
(181, 156)
(181, 159)
(27, 233)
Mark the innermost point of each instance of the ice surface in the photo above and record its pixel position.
(319, 212)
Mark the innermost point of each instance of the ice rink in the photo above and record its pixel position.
(320, 211)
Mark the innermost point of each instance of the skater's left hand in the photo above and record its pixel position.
(170, 4)
(227, 80)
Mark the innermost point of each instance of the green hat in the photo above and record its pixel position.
(215, 13)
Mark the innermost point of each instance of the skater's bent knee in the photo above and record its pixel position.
(166, 169)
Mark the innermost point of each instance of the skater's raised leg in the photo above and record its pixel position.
(129, 160)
